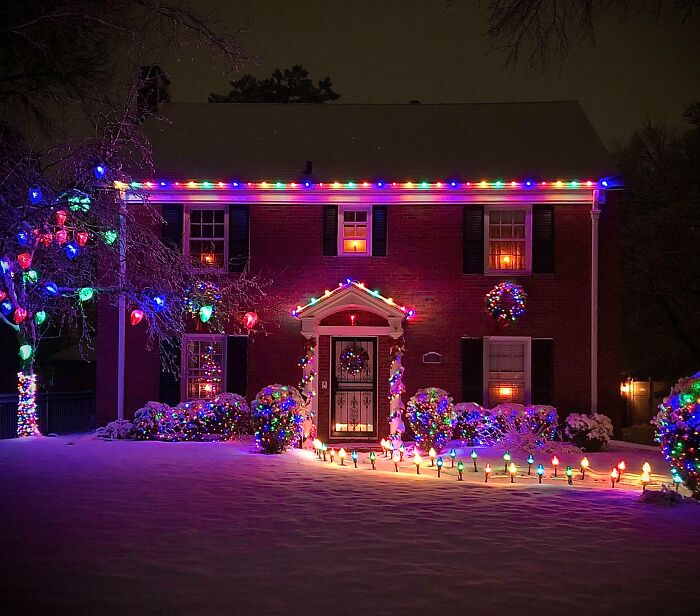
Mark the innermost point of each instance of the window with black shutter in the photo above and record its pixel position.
(238, 237)
(543, 238)
(473, 240)
(330, 230)
(379, 230)
(237, 365)
(542, 370)
(473, 370)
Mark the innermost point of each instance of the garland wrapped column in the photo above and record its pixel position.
(396, 389)
(27, 424)
(307, 388)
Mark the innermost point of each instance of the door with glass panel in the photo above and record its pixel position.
(354, 387)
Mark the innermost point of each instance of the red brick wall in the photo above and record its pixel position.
(423, 270)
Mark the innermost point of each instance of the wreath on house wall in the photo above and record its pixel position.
(506, 303)
(354, 359)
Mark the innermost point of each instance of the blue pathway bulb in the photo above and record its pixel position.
(72, 250)
(530, 459)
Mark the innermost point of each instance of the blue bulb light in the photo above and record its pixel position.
(51, 289)
(35, 195)
(100, 171)
(72, 250)
(6, 307)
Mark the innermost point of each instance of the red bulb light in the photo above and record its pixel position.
(136, 316)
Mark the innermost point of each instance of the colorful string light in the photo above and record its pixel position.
(522, 184)
(27, 422)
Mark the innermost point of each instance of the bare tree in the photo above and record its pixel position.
(542, 29)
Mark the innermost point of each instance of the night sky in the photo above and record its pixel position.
(384, 51)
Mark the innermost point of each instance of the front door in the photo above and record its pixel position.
(354, 387)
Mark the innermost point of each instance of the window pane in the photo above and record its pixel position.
(355, 246)
(349, 216)
(361, 216)
(506, 378)
(204, 368)
(207, 253)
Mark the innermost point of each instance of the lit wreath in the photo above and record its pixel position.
(506, 302)
(354, 359)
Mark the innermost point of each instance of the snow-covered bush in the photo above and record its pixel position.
(430, 414)
(232, 415)
(481, 426)
(118, 429)
(589, 432)
(467, 419)
(278, 417)
(148, 418)
(678, 431)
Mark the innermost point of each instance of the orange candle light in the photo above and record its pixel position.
(614, 476)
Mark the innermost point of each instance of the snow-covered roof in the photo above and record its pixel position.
(542, 140)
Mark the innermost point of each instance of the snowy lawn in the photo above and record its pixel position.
(93, 527)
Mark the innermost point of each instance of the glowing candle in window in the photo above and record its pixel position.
(505, 261)
(208, 258)
(505, 392)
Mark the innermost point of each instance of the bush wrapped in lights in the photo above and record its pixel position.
(481, 426)
(231, 415)
(678, 431)
(147, 420)
(278, 418)
(431, 416)
(589, 432)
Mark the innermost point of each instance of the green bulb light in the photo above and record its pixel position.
(205, 313)
(110, 237)
(40, 317)
(25, 352)
(86, 294)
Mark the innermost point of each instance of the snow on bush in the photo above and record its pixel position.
(148, 418)
(233, 409)
(278, 417)
(678, 431)
(481, 426)
(119, 429)
(431, 416)
(589, 432)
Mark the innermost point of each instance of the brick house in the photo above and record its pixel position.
(397, 220)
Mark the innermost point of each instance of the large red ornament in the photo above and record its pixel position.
(25, 260)
(20, 315)
(136, 316)
(61, 236)
(81, 237)
(61, 216)
(250, 319)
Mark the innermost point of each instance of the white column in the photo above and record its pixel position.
(595, 216)
(121, 315)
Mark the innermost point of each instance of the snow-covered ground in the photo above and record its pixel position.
(93, 527)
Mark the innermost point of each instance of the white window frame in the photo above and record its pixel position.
(527, 342)
(489, 271)
(184, 350)
(341, 218)
(189, 208)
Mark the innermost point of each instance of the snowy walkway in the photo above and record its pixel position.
(192, 528)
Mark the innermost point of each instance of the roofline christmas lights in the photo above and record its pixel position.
(350, 185)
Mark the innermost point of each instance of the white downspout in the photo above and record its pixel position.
(595, 216)
(121, 312)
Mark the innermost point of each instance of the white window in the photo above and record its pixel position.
(506, 370)
(206, 236)
(354, 230)
(203, 366)
(507, 241)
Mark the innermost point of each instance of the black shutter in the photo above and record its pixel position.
(379, 230)
(172, 225)
(473, 240)
(237, 365)
(473, 370)
(238, 238)
(542, 366)
(169, 382)
(330, 230)
(543, 239)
